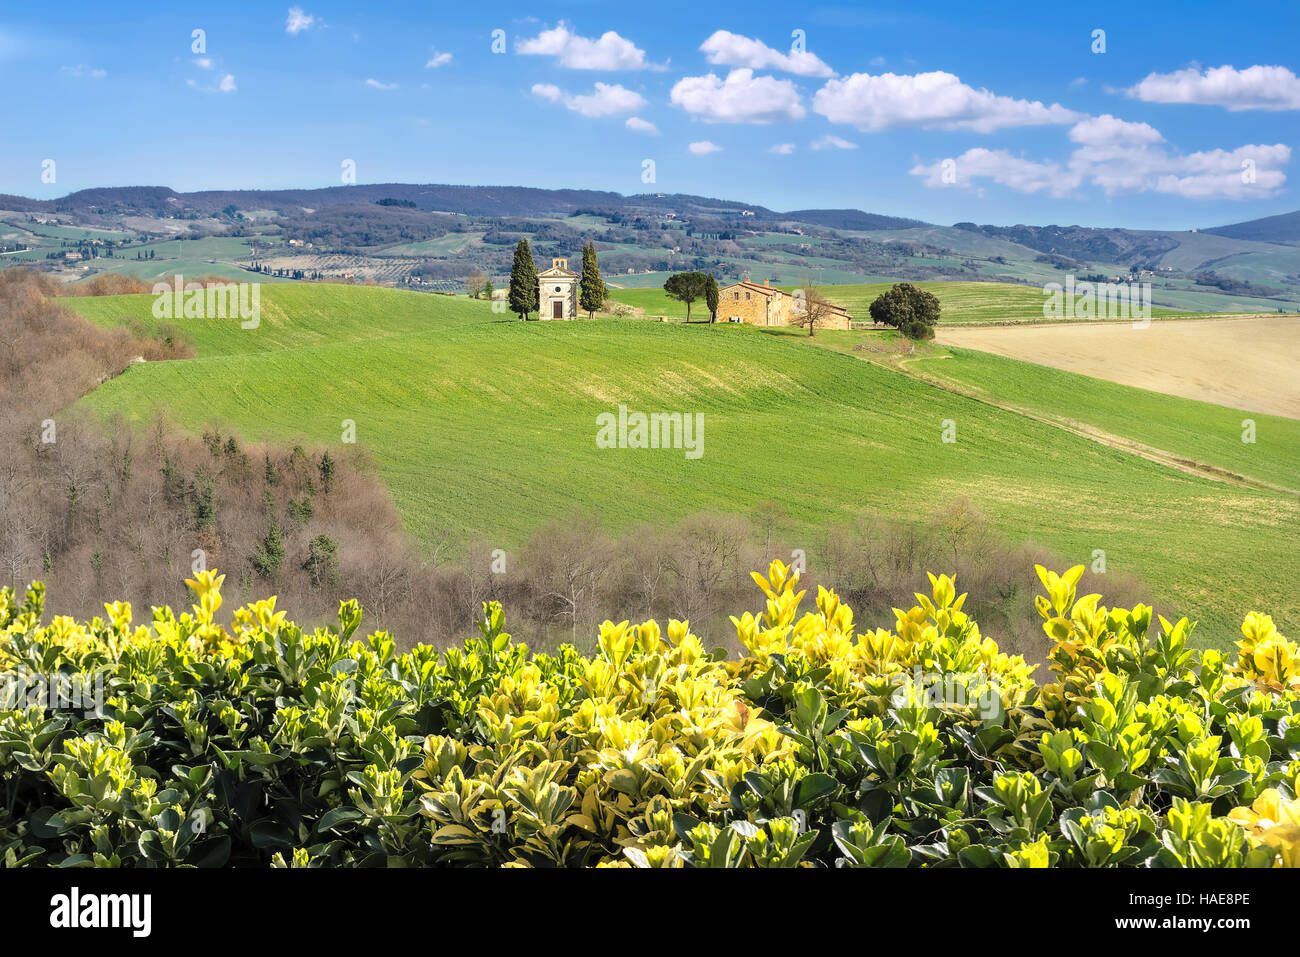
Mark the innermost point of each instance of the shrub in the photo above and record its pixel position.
(257, 743)
(916, 330)
(322, 561)
(266, 561)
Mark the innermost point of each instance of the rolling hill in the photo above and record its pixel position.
(487, 428)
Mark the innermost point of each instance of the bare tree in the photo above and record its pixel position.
(476, 284)
(384, 584)
(569, 562)
(646, 560)
(811, 308)
(707, 560)
(20, 531)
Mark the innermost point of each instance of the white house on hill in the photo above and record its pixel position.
(557, 291)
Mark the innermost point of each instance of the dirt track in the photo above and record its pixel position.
(1250, 364)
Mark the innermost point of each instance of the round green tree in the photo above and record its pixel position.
(912, 311)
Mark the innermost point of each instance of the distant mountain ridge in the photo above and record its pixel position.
(1282, 228)
(1082, 242)
(497, 201)
(516, 201)
(851, 219)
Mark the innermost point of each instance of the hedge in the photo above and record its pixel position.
(186, 742)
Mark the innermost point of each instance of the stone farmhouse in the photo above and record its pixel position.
(766, 305)
(744, 301)
(557, 291)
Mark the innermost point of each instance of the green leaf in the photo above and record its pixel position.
(333, 818)
(814, 788)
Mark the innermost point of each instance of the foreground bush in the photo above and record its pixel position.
(258, 744)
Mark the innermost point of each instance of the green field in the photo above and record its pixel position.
(1200, 431)
(1196, 432)
(71, 233)
(151, 270)
(782, 239)
(487, 428)
(656, 302)
(210, 247)
(962, 302)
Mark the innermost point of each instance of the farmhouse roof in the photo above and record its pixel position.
(765, 290)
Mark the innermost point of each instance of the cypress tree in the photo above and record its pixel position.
(523, 282)
(592, 295)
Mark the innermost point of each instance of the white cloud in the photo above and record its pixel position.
(605, 99)
(82, 70)
(704, 147)
(297, 21)
(379, 85)
(1248, 172)
(1254, 88)
(935, 100)
(782, 149)
(1106, 130)
(639, 125)
(1218, 174)
(437, 60)
(227, 84)
(725, 48)
(203, 63)
(1022, 175)
(609, 52)
(1122, 157)
(829, 142)
(741, 98)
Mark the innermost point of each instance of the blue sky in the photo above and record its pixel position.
(991, 112)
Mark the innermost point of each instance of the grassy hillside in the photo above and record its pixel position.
(153, 270)
(1197, 431)
(487, 428)
(1200, 431)
(961, 302)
